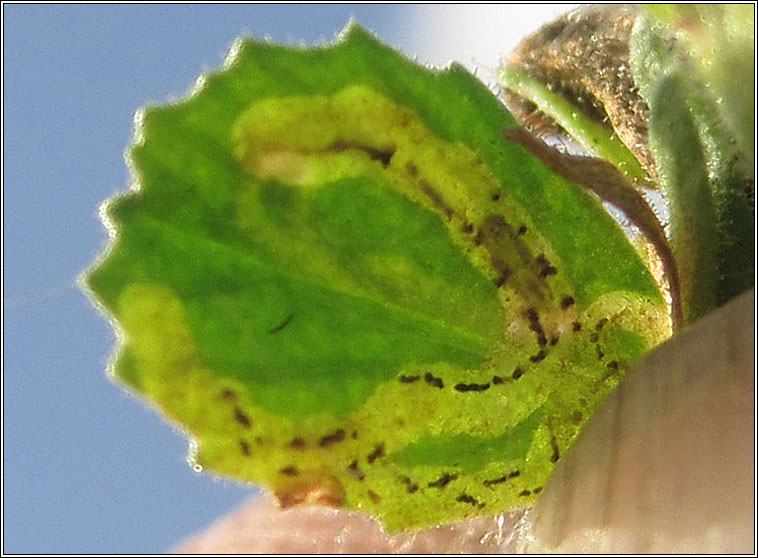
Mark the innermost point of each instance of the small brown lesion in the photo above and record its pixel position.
(471, 387)
(468, 499)
(229, 395)
(436, 198)
(297, 443)
(499, 480)
(433, 380)
(376, 454)
(534, 324)
(556, 455)
(539, 357)
(355, 470)
(242, 418)
(290, 471)
(443, 481)
(546, 269)
(410, 486)
(245, 448)
(333, 438)
(503, 272)
(600, 352)
(283, 325)
(383, 156)
(567, 302)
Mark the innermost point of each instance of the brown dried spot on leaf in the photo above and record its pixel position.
(309, 488)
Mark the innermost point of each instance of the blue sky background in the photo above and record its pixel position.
(88, 468)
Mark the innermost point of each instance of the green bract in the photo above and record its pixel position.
(346, 285)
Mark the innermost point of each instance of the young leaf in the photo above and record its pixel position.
(347, 285)
(706, 177)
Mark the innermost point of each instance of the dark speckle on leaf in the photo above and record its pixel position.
(466, 499)
(409, 379)
(539, 357)
(383, 157)
(433, 380)
(290, 471)
(354, 470)
(472, 387)
(536, 327)
(245, 447)
(500, 280)
(437, 199)
(282, 325)
(545, 267)
(333, 438)
(443, 481)
(556, 452)
(242, 418)
(376, 454)
(410, 486)
(498, 480)
(297, 443)
(567, 302)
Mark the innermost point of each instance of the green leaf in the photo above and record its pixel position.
(345, 284)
